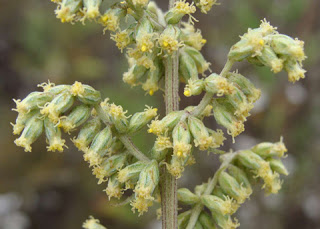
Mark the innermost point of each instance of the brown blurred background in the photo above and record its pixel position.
(51, 190)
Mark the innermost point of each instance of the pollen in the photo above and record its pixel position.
(151, 92)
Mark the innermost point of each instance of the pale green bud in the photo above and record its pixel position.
(151, 85)
(87, 134)
(60, 104)
(22, 119)
(131, 171)
(117, 116)
(141, 119)
(201, 63)
(269, 149)
(201, 136)
(85, 93)
(250, 160)
(185, 196)
(183, 219)
(181, 8)
(270, 59)
(109, 166)
(111, 18)
(225, 222)
(91, 8)
(92, 223)
(33, 101)
(216, 84)
(177, 164)
(194, 87)
(140, 3)
(216, 204)
(158, 154)
(277, 166)
(200, 189)
(217, 191)
(245, 85)
(159, 127)
(30, 133)
(58, 89)
(187, 67)
(99, 146)
(134, 73)
(148, 181)
(206, 221)
(143, 28)
(169, 39)
(239, 175)
(114, 188)
(76, 118)
(53, 134)
(68, 10)
(294, 70)
(240, 51)
(231, 186)
(181, 140)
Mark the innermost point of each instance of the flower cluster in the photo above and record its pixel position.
(234, 185)
(92, 223)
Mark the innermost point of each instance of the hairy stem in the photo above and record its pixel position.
(123, 138)
(227, 159)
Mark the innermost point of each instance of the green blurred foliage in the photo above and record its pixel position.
(50, 190)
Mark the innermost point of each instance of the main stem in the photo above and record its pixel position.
(168, 183)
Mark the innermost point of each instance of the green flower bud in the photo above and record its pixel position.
(200, 189)
(87, 134)
(270, 59)
(244, 84)
(285, 45)
(56, 90)
(181, 8)
(99, 147)
(134, 73)
(152, 83)
(183, 219)
(194, 87)
(111, 18)
(92, 223)
(269, 149)
(22, 119)
(187, 67)
(33, 101)
(217, 191)
(53, 134)
(215, 204)
(168, 39)
(206, 221)
(109, 166)
(201, 136)
(85, 93)
(250, 160)
(177, 164)
(185, 196)
(141, 119)
(230, 186)
(77, 117)
(115, 188)
(30, 134)
(131, 171)
(68, 10)
(159, 153)
(206, 5)
(295, 70)
(201, 63)
(239, 175)
(117, 116)
(277, 166)
(159, 127)
(181, 140)
(192, 37)
(91, 9)
(216, 84)
(60, 104)
(225, 221)
(140, 3)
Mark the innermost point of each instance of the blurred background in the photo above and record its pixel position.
(56, 190)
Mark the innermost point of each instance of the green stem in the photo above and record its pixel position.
(227, 159)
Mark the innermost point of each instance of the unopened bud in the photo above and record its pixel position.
(68, 10)
(141, 119)
(115, 188)
(85, 93)
(194, 87)
(187, 67)
(277, 166)
(185, 196)
(53, 134)
(216, 84)
(181, 140)
(180, 9)
(33, 101)
(77, 117)
(92, 223)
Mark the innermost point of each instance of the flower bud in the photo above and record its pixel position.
(134, 73)
(194, 87)
(68, 10)
(22, 119)
(239, 175)
(117, 116)
(87, 134)
(206, 221)
(30, 133)
(145, 36)
(85, 93)
(158, 154)
(168, 39)
(53, 134)
(192, 37)
(141, 119)
(153, 77)
(140, 3)
(60, 104)
(218, 138)
(187, 67)
(225, 221)
(181, 140)
(295, 70)
(176, 166)
(33, 101)
(92, 223)
(216, 84)
(159, 127)
(181, 8)
(141, 204)
(109, 166)
(268, 149)
(201, 63)
(230, 186)
(270, 59)
(77, 117)
(131, 171)
(123, 38)
(114, 188)
(162, 143)
(183, 219)
(200, 189)
(277, 166)
(99, 146)
(56, 90)
(200, 133)
(218, 205)
(217, 191)
(91, 9)
(111, 18)
(185, 196)
(244, 84)
(205, 5)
